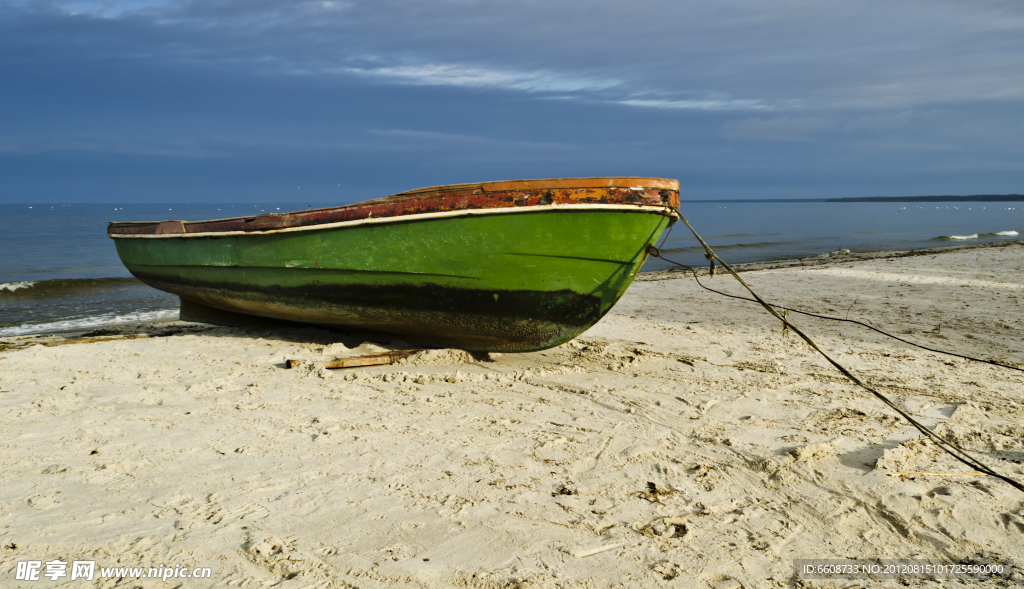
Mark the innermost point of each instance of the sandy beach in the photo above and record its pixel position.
(684, 441)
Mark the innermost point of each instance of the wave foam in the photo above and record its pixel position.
(13, 286)
(963, 237)
(1006, 233)
(89, 322)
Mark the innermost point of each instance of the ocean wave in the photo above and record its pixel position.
(1008, 233)
(62, 287)
(89, 322)
(13, 286)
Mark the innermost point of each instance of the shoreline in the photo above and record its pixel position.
(683, 439)
(827, 259)
(136, 327)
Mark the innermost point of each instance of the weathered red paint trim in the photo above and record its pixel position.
(522, 193)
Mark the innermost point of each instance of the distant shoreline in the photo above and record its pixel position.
(825, 259)
(969, 198)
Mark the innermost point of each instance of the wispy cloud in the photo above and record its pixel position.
(709, 104)
(481, 77)
(109, 9)
(660, 84)
(468, 140)
(566, 86)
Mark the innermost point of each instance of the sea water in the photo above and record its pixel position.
(748, 232)
(60, 272)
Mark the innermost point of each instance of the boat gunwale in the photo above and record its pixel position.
(553, 183)
(487, 196)
(649, 209)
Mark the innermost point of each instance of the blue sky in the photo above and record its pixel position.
(296, 101)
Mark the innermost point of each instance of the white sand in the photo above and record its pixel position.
(533, 470)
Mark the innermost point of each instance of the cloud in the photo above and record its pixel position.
(479, 77)
(711, 104)
(470, 141)
(107, 9)
(661, 87)
(654, 54)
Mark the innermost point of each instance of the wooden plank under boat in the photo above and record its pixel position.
(496, 266)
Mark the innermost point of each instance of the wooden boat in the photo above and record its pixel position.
(497, 266)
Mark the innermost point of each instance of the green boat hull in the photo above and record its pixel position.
(503, 281)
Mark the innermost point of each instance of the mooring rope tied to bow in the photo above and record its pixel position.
(655, 252)
(947, 446)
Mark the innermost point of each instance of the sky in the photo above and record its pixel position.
(344, 100)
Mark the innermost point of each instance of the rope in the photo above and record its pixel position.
(946, 445)
(656, 252)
